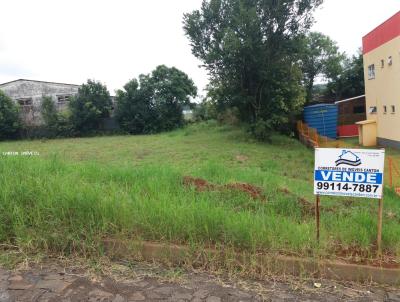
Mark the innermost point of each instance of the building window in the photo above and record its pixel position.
(384, 109)
(25, 102)
(63, 98)
(371, 72)
(382, 63)
(393, 109)
(358, 109)
(372, 110)
(390, 61)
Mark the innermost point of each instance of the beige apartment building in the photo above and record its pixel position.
(381, 51)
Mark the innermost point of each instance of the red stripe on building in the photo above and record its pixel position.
(385, 32)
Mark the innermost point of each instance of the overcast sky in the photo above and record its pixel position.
(116, 40)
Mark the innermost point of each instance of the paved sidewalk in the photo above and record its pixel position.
(146, 283)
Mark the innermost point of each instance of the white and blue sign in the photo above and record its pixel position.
(349, 172)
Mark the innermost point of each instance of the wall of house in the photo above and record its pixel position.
(35, 90)
(384, 89)
(352, 111)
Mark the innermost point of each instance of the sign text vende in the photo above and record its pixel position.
(341, 176)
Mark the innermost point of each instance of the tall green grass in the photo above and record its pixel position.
(57, 203)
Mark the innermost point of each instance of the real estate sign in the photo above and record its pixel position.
(349, 172)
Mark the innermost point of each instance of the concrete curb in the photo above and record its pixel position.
(276, 264)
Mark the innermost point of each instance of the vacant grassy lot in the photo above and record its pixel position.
(79, 191)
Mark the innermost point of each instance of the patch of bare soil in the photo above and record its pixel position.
(202, 185)
(199, 183)
(254, 191)
(307, 207)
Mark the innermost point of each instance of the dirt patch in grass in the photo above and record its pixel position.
(254, 191)
(307, 207)
(202, 185)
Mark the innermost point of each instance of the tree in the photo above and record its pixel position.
(135, 110)
(172, 90)
(154, 103)
(92, 103)
(10, 123)
(350, 83)
(251, 49)
(321, 57)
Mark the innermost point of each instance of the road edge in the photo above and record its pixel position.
(264, 264)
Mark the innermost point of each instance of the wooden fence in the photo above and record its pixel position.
(310, 137)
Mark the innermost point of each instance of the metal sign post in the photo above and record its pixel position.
(350, 173)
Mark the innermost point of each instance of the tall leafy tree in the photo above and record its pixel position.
(92, 103)
(251, 49)
(172, 90)
(10, 123)
(136, 112)
(350, 82)
(154, 103)
(320, 58)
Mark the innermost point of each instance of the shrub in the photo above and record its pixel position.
(135, 112)
(89, 107)
(10, 123)
(49, 116)
(230, 117)
(262, 130)
(56, 124)
(64, 125)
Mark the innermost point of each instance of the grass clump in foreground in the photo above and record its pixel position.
(80, 191)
